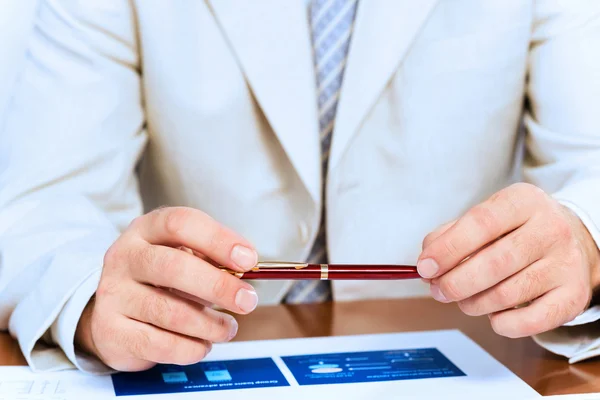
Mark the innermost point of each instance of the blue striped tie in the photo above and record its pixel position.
(331, 22)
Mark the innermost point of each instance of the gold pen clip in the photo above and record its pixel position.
(279, 264)
(266, 265)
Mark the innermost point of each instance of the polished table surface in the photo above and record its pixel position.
(547, 373)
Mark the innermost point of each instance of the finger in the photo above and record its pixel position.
(199, 255)
(173, 313)
(484, 223)
(172, 268)
(523, 287)
(147, 342)
(190, 297)
(191, 228)
(548, 312)
(493, 264)
(187, 295)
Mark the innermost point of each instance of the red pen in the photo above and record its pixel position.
(291, 270)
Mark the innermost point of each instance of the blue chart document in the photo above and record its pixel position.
(431, 365)
(313, 369)
(413, 365)
(370, 366)
(204, 376)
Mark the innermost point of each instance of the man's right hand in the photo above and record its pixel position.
(153, 303)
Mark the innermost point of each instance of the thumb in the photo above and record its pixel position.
(436, 233)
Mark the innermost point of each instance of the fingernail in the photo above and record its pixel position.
(427, 268)
(233, 329)
(244, 257)
(437, 294)
(246, 300)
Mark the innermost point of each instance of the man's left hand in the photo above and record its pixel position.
(520, 257)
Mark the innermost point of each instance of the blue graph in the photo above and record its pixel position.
(370, 366)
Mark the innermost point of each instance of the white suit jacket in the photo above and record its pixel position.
(128, 105)
(16, 20)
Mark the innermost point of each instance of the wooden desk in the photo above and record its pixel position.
(545, 372)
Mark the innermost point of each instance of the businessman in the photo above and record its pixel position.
(148, 141)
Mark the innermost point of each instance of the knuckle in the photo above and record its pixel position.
(207, 330)
(502, 325)
(111, 255)
(527, 244)
(534, 278)
(144, 257)
(156, 309)
(215, 239)
(139, 344)
(451, 248)
(573, 306)
(499, 326)
(194, 352)
(580, 299)
(177, 317)
(203, 350)
(528, 285)
(107, 288)
(573, 257)
(432, 236)
(498, 263)
(471, 308)
(165, 349)
(524, 187)
(136, 222)
(500, 195)
(485, 219)
(220, 287)
(527, 190)
(175, 219)
(221, 328)
(562, 229)
(537, 322)
(102, 329)
(427, 240)
(530, 327)
(551, 316)
(503, 296)
(168, 263)
(509, 197)
(114, 256)
(450, 288)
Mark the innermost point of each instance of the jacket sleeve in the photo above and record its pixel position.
(563, 134)
(73, 134)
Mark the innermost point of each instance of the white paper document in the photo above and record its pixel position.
(428, 365)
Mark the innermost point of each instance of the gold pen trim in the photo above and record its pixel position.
(324, 272)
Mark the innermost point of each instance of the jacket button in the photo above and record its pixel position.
(303, 232)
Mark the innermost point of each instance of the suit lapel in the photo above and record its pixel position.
(383, 33)
(272, 42)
